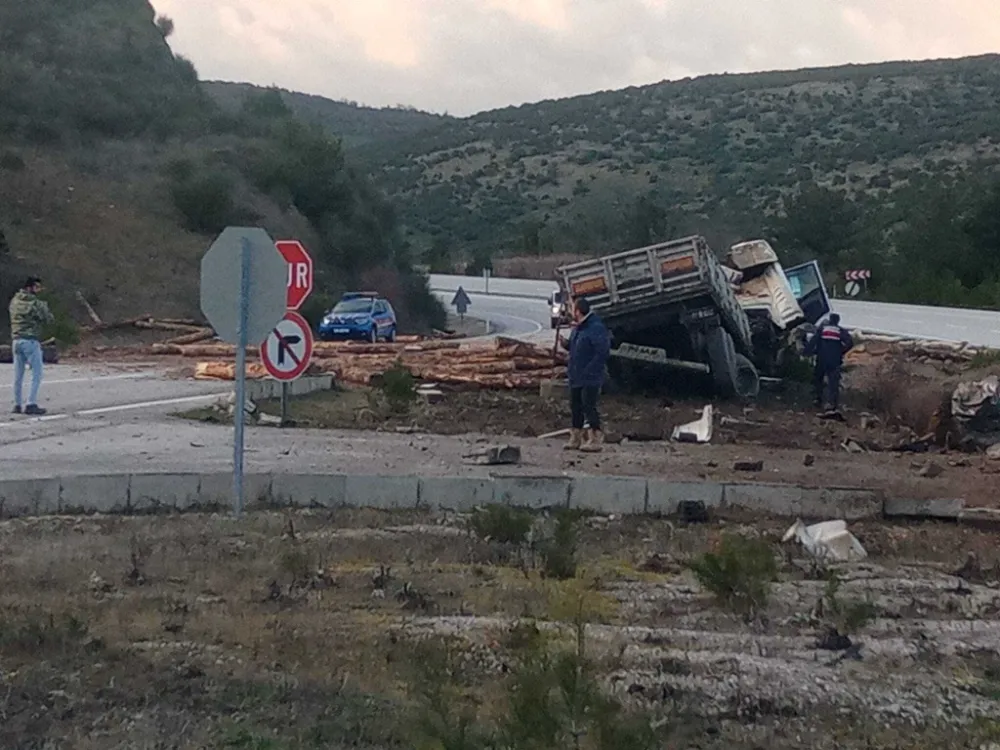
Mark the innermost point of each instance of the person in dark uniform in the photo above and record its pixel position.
(829, 345)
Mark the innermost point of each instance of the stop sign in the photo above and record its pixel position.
(300, 271)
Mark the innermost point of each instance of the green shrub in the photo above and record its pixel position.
(205, 201)
(559, 552)
(847, 616)
(399, 388)
(502, 524)
(739, 573)
(316, 306)
(63, 329)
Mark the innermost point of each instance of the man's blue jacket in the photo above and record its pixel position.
(830, 343)
(589, 345)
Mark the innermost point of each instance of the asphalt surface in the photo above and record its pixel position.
(83, 403)
(978, 327)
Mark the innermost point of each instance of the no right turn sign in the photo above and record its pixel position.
(287, 352)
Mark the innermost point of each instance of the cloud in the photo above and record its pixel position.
(464, 56)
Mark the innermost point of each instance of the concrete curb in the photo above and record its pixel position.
(145, 493)
(260, 390)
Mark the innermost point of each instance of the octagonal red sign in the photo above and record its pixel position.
(300, 271)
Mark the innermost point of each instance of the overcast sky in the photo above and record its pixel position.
(464, 56)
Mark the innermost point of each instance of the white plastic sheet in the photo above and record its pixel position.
(829, 540)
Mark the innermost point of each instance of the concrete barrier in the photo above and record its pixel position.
(149, 493)
(945, 508)
(620, 495)
(532, 492)
(458, 494)
(664, 495)
(217, 489)
(261, 390)
(805, 502)
(306, 490)
(29, 497)
(382, 492)
(101, 494)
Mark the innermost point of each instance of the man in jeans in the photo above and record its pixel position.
(28, 317)
(588, 347)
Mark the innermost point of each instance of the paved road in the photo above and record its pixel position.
(520, 318)
(85, 399)
(979, 327)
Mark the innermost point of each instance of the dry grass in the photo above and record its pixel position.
(894, 392)
(296, 629)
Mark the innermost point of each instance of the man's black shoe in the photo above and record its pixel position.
(33, 410)
(17, 410)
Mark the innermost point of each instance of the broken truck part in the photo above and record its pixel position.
(675, 305)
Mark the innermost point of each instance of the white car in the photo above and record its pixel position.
(559, 308)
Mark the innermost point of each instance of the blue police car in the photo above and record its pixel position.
(359, 315)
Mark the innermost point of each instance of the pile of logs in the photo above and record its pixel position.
(506, 364)
(186, 331)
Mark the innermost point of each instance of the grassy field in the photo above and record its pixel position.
(340, 629)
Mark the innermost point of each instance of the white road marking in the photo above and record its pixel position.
(115, 409)
(92, 379)
(150, 404)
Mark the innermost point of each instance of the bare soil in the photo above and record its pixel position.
(279, 631)
(795, 445)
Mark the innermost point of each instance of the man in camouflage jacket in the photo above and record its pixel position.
(28, 317)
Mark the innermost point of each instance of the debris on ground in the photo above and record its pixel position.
(698, 431)
(495, 455)
(853, 446)
(828, 540)
(556, 433)
(692, 511)
(750, 466)
(975, 411)
(931, 470)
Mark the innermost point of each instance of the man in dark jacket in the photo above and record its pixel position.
(588, 346)
(830, 343)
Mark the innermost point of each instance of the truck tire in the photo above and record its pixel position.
(722, 360)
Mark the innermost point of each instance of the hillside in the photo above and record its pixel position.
(353, 123)
(719, 154)
(117, 170)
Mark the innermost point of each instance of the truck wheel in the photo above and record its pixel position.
(747, 379)
(722, 360)
(619, 377)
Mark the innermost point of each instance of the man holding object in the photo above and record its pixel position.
(28, 317)
(589, 346)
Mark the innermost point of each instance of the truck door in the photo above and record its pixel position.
(807, 285)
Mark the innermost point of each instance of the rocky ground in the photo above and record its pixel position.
(298, 630)
(781, 430)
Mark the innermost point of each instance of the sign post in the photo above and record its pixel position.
(461, 302)
(243, 299)
(300, 286)
(853, 276)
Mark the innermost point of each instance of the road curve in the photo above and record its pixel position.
(978, 327)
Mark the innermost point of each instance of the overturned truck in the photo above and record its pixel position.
(676, 305)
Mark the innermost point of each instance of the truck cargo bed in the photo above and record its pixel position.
(629, 287)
